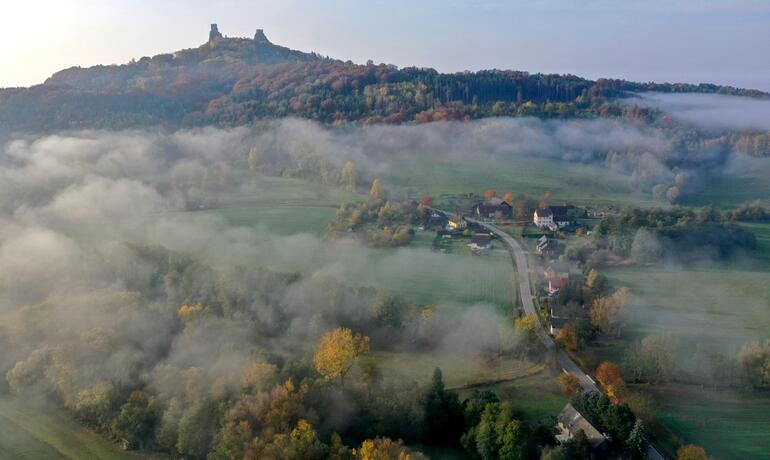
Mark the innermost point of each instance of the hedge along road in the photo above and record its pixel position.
(519, 257)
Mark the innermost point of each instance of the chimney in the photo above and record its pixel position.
(260, 37)
(214, 33)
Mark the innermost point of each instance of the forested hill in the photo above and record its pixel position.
(234, 81)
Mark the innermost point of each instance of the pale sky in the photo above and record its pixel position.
(725, 42)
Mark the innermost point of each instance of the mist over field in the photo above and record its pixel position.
(712, 111)
(112, 262)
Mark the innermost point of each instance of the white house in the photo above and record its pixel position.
(552, 217)
(543, 217)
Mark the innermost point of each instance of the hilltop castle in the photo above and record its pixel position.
(259, 36)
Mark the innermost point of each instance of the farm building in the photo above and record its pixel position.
(543, 217)
(493, 207)
(570, 422)
(557, 324)
(553, 217)
(561, 315)
(457, 224)
(556, 283)
(557, 269)
(546, 246)
(480, 242)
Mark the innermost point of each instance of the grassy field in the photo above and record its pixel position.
(583, 184)
(458, 371)
(536, 398)
(282, 219)
(727, 424)
(455, 276)
(747, 183)
(716, 308)
(721, 307)
(282, 206)
(30, 433)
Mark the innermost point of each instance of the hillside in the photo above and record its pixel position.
(234, 81)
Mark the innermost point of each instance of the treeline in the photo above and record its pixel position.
(651, 234)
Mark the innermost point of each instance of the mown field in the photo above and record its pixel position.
(27, 432)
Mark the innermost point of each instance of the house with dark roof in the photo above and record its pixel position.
(492, 207)
(561, 315)
(546, 246)
(570, 422)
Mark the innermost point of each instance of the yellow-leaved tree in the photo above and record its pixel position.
(337, 351)
(349, 177)
(375, 193)
(386, 449)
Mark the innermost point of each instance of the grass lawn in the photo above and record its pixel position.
(727, 424)
(30, 433)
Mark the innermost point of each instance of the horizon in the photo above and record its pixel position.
(685, 41)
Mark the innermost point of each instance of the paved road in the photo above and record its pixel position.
(519, 257)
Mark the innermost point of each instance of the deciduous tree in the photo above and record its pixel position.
(349, 177)
(337, 351)
(691, 452)
(375, 193)
(568, 337)
(569, 384)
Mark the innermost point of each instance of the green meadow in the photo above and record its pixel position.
(728, 424)
(715, 307)
(282, 206)
(580, 183)
(28, 432)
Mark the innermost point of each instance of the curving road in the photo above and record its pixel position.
(519, 257)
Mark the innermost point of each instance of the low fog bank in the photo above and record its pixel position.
(97, 253)
(712, 111)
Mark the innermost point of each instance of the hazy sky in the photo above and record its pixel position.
(664, 40)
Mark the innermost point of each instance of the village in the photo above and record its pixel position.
(563, 288)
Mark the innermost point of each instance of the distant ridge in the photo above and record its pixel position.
(230, 81)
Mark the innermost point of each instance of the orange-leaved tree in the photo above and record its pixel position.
(609, 375)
